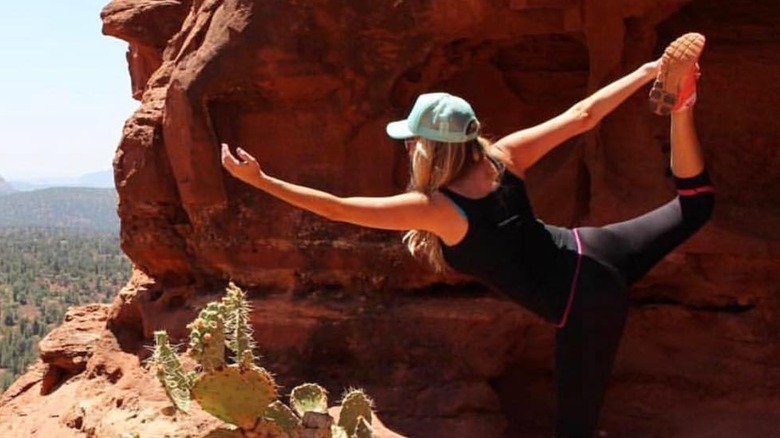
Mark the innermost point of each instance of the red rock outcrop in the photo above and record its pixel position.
(307, 86)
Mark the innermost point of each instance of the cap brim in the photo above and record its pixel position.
(399, 130)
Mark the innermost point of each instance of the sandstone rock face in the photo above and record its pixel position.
(111, 394)
(307, 86)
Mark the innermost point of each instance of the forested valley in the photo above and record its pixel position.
(58, 248)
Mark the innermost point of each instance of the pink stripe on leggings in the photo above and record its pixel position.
(696, 191)
(573, 290)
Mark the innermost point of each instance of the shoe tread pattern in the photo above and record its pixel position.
(677, 61)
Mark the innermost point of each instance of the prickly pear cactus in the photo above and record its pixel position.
(309, 397)
(237, 326)
(234, 395)
(354, 405)
(280, 414)
(364, 429)
(244, 394)
(207, 337)
(238, 393)
(177, 384)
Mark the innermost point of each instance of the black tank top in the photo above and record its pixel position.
(507, 248)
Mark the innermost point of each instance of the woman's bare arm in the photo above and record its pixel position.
(522, 149)
(406, 211)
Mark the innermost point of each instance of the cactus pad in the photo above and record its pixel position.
(238, 329)
(363, 429)
(280, 414)
(355, 404)
(170, 372)
(236, 396)
(309, 397)
(207, 337)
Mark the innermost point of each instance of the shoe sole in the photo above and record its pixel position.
(677, 61)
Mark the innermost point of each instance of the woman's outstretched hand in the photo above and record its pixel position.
(244, 167)
(653, 66)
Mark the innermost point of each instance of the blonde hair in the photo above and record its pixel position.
(435, 165)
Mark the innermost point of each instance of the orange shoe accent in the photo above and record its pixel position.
(674, 88)
(686, 97)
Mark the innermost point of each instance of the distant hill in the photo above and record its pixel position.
(103, 179)
(64, 207)
(5, 188)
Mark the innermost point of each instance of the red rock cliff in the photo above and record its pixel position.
(307, 86)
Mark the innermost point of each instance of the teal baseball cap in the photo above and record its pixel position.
(439, 117)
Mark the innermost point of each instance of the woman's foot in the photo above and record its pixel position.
(675, 86)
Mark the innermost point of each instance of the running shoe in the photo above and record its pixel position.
(675, 86)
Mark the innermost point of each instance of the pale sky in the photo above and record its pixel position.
(64, 89)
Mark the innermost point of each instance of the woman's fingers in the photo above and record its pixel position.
(244, 155)
(242, 165)
(228, 157)
(230, 161)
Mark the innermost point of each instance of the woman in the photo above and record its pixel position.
(468, 210)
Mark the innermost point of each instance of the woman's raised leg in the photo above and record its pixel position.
(617, 255)
(633, 247)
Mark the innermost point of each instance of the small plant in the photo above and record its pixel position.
(243, 394)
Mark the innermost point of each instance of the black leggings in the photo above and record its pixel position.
(614, 257)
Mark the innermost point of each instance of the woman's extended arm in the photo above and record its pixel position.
(406, 211)
(521, 149)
